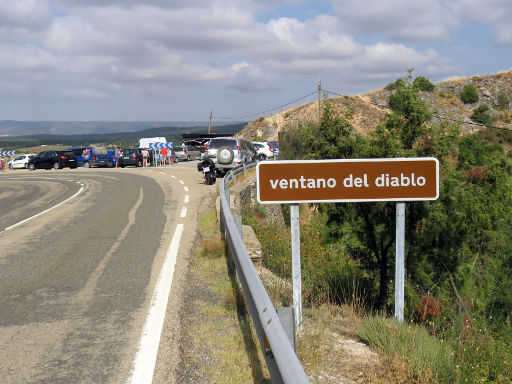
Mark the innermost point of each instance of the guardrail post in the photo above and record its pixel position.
(287, 320)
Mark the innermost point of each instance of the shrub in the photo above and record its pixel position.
(350, 112)
(469, 94)
(327, 274)
(395, 85)
(503, 101)
(484, 359)
(423, 84)
(481, 115)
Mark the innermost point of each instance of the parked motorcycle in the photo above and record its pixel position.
(207, 166)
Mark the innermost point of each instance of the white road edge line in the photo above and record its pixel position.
(183, 212)
(145, 360)
(42, 213)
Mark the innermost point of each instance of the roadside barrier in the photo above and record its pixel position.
(282, 362)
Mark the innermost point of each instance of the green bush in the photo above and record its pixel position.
(395, 85)
(484, 359)
(469, 94)
(327, 274)
(423, 84)
(503, 101)
(481, 115)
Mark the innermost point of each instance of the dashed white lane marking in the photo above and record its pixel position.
(162, 173)
(182, 182)
(186, 189)
(187, 199)
(144, 363)
(174, 177)
(45, 211)
(183, 212)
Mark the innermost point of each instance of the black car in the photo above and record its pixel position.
(53, 159)
(131, 156)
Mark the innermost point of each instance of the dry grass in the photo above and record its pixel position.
(223, 328)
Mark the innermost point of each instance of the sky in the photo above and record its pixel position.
(178, 60)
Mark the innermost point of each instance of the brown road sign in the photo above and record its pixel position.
(350, 180)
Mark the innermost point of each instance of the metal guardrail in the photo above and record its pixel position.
(282, 362)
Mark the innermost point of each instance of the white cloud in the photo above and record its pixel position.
(26, 60)
(409, 20)
(86, 94)
(496, 13)
(26, 14)
(111, 47)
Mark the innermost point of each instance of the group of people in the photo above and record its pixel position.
(145, 156)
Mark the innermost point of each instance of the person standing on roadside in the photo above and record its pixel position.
(164, 155)
(119, 153)
(145, 155)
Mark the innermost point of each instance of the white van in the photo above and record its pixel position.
(144, 142)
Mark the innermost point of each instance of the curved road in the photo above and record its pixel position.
(77, 278)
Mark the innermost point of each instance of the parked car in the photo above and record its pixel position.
(20, 161)
(53, 159)
(88, 157)
(131, 156)
(263, 150)
(111, 158)
(229, 153)
(275, 147)
(187, 152)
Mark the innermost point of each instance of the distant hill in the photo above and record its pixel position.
(23, 128)
(119, 138)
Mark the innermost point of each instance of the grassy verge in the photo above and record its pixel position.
(222, 326)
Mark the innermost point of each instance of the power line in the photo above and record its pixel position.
(268, 110)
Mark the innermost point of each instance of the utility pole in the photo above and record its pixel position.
(319, 98)
(210, 124)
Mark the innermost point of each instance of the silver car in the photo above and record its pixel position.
(187, 152)
(230, 152)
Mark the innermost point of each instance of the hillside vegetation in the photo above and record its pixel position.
(458, 247)
(364, 112)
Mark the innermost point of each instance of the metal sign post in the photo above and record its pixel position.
(400, 261)
(296, 272)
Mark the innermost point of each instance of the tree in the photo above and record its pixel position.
(371, 230)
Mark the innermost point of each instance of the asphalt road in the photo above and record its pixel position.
(76, 279)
